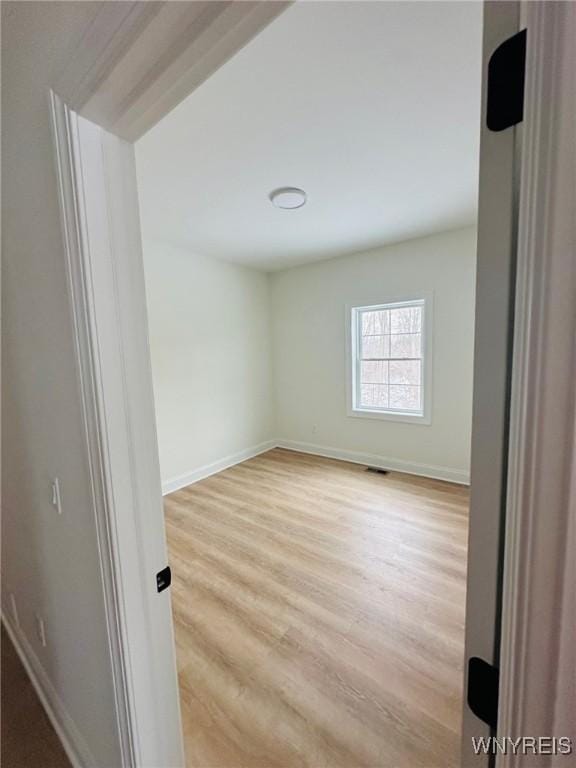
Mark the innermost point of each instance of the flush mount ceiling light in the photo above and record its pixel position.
(288, 197)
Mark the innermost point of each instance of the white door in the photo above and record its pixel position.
(106, 279)
(497, 226)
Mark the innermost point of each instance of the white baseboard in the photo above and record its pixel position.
(66, 730)
(459, 476)
(384, 462)
(175, 483)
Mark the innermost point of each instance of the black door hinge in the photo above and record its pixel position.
(163, 579)
(506, 73)
(483, 683)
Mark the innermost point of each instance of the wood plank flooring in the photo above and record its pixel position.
(319, 615)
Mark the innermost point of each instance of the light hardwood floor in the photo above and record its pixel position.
(319, 615)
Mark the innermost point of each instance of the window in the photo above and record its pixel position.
(388, 345)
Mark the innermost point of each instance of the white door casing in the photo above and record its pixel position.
(538, 651)
(106, 281)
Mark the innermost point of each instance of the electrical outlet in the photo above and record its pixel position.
(14, 609)
(41, 630)
(314, 428)
(56, 498)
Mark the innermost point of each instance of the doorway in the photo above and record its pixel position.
(122, 160)
(319, 606)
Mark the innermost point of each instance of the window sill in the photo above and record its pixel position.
(408, 418)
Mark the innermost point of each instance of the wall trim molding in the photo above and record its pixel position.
(188, 478)
(537, 653)
(80, 291)
(138, 61)
(449, 474)
(98, 202)
(72, 740)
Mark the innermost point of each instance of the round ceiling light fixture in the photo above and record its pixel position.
(288, 198)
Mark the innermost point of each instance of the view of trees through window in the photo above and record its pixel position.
(389, 357)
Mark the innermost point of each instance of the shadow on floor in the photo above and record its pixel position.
(28, 739)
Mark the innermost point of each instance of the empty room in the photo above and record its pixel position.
(288, 358)
(308, 224)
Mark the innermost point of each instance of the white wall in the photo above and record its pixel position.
(49, 562)
(310, 361)
(241, 357)
(211, 359)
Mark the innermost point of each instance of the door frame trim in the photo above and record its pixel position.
(82, 310)
(540, 492)
(97, 191)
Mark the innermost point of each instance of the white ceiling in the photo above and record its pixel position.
(373, 108)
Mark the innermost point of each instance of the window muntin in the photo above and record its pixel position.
(388, 375)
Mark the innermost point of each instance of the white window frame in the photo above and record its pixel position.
(353, 360)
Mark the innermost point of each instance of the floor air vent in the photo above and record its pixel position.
(377, 470)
